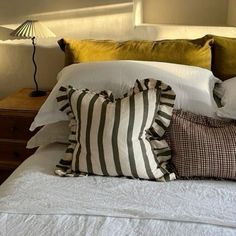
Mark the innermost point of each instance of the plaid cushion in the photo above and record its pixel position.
(202, 146)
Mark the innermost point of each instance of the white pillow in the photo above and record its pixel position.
(227, 92)
(57, 132)
(193, 85)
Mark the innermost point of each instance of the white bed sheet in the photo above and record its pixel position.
(33, 201)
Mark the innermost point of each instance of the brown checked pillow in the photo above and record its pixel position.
(202, 146)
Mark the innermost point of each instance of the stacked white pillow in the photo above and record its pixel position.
(193, 87)
(52, 133)
(227, 92)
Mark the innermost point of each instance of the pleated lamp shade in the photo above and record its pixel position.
(32, 28)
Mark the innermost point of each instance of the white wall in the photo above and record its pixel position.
(232, 13)
(79, 19)
(163, 31)
(186, 12)
(15, 11)
(98, 19)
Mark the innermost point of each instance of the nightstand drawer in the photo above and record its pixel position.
(15, 127)
(17, 112)
(12, 154)
(4, 174)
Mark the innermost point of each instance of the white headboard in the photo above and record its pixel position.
(163, 31)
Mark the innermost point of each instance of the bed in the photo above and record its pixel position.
(33, 201)
(36, 201)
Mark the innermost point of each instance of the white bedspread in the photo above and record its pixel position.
(35, 202)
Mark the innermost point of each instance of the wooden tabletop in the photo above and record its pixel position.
(22, 101)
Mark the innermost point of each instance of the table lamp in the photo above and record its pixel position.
(33, 29)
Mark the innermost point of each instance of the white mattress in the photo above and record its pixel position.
(35, 202)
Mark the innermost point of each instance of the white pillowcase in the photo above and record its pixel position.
(227, 92)
(193, 85)
(52, 133)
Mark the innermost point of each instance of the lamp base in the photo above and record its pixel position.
(37, 93)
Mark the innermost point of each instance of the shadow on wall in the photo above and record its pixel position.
(112, 9)
(17, 69)
(23, 9)
(5, 34)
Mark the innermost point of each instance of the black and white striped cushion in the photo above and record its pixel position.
(118, 138)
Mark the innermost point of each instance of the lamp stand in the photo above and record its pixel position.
(36, 92)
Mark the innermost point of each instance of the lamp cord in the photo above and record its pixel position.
(35, 66)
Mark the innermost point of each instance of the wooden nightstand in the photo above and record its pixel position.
(16, 114)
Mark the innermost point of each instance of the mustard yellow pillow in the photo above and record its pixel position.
(223, 56)
(181, 51)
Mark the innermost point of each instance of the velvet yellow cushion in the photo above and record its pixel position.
(223, 56)
(180, 51)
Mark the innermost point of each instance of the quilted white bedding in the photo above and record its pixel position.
(33, 201)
